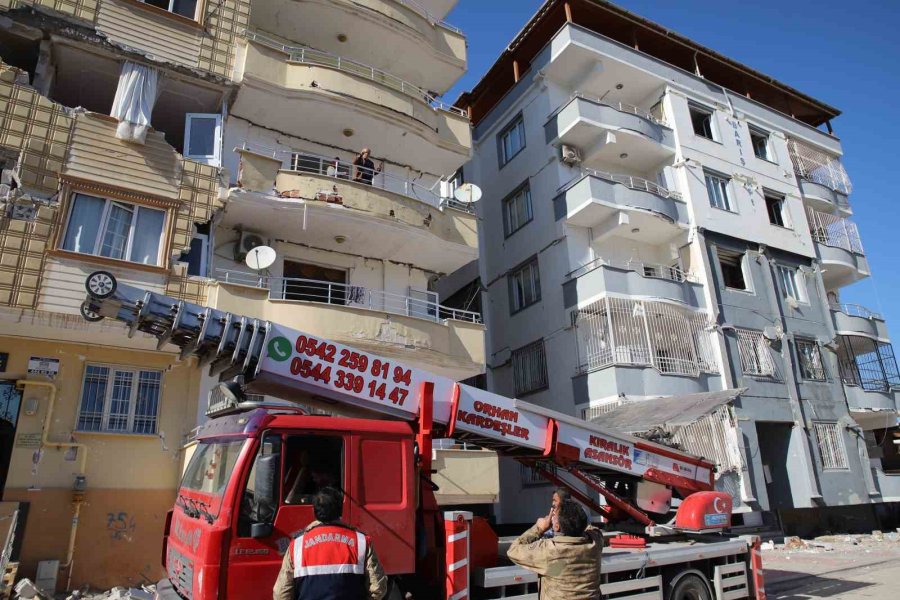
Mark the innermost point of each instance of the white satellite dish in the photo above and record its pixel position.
(467, 193)
(261, 257)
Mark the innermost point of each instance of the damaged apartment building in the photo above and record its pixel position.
(162, 141)
(666, 234)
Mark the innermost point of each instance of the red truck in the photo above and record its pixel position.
(246, 490)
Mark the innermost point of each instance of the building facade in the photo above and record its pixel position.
(163, 141)
(660, 220)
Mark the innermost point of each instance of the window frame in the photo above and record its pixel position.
(525, 189)
(790, 273)
(810, 372)
(214, 159)
(204, 255)
(197, 8)
(535, 281)
(542, 380)
(71, 200)
(759, 132)
(762, 356)
(516, 122)
(132, 400)
(725, 189)
(768, 196)
(832, 427)
(745, 273)
(694, 107)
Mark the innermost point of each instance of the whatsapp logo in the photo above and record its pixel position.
(279, 349)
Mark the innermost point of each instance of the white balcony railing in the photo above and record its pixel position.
(624, 107)
(856, 310)
(431, 18)
(635, 183)
(645, 269)
(819, 167)
(309, 56)
(834, 231)
(342, 294)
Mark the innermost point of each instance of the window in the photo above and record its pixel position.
(312, 462)
(791, 285)
(760, 141)
(702, 121)
(732, 266)
(884, 444)
(517, 210)
(810, 358)
(867, 363)
(530, 368)
(831, 446)
(202, 132)
(511, 140)
(315, 283)
(754, 351)
(196, 256)
(524, 286)
(185, 8)
(114, 229)
(775, 208)
(119, 400)
(717, 188)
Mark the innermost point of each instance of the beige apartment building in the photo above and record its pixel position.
(163, 140)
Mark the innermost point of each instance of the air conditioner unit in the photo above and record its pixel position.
(247, 242)
(570, 155)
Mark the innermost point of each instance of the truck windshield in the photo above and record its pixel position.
(211, 466)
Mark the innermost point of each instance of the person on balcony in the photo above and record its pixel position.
(365, 168)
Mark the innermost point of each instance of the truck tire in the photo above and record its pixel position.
(690, 587)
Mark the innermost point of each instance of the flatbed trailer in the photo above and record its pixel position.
(219, 537)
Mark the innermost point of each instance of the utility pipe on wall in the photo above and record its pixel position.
(78, 496)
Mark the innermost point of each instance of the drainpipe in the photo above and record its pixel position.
(77, 496)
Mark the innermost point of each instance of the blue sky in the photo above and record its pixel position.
(846, 54)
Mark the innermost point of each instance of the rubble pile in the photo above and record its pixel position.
(830, 543)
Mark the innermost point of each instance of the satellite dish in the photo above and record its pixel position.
(261, 257)
(467, 193)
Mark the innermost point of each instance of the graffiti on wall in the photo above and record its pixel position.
(120, 526)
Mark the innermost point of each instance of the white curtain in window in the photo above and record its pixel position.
(135, 97)
(84, 224)
(148, 232)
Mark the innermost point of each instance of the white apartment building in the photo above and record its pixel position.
(661, 220)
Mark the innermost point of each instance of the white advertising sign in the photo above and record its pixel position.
(38, 365)
(499, 418)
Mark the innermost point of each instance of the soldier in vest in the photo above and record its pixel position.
(330, 560)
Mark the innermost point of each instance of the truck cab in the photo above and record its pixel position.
(247, 492)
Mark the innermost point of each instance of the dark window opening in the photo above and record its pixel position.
(196, 257)
(312, 462)
(20, 52)
(313, 283)
(732, 265)
(884, 445)
(760, 141)
(775, 209)
(701, 119)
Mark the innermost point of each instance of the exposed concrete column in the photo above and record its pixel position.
(44, 71)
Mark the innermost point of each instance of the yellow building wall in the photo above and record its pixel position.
(131, 479)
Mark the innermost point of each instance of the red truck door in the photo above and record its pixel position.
(309, 461)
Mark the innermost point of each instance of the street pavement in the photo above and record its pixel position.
(835, 567)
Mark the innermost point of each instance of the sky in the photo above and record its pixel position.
(846, 54)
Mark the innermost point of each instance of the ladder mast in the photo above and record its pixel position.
(279, 361)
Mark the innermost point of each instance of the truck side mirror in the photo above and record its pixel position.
(260, 530)
(268, 472)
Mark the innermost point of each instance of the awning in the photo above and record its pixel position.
(637, 416)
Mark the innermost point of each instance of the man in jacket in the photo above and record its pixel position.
(330, 560)
(568, 564)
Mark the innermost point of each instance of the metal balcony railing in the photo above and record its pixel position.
(309, 56)
(652, 270)
(342, 294)
(630, 181)
(834, 231)
(415, 6)
(819, 167)
(624, 107)
(856, 310)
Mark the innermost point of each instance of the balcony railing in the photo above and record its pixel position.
(856, 310)
(819, 167)
(834, 231)
(431, 18)
(624, 107)
(309, 56)
(342, 294)
(653, 270)
(630, 181)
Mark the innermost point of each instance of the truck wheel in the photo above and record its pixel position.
(100, 285)
(690, 587)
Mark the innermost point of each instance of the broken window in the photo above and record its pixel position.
(831, 446)
(754, 351)
(196, 257)
(114, 229)
(810, 358)
(119, 399)
(759, 139)
(702, 120)
(732, 265)
(792, 286)
(884, 445)
(775, 209)
(530, 368)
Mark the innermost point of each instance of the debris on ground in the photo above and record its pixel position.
(147, 592)
(866, 543)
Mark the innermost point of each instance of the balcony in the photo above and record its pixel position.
(632, 278)
(851, 319)
(400, 36)
(617, 135)
(447, 341)
(868, 370)
(622, 205)
(318, 203)
(838, 247)
(822, 198)
(818, 167)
